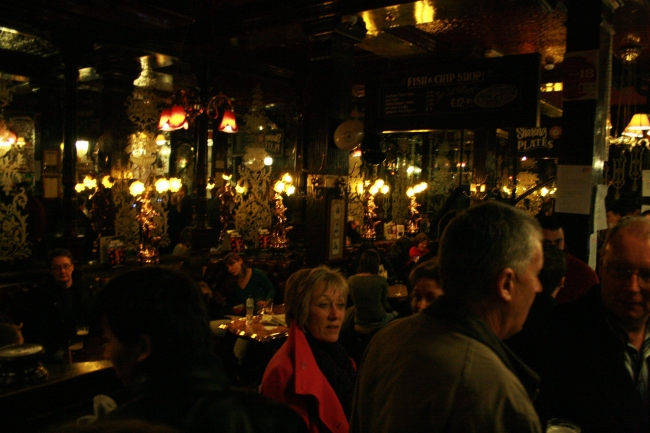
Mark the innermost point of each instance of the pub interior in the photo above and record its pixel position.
(135, 132)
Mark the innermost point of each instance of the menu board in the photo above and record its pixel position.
(498, 92)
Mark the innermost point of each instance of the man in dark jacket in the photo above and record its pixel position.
(159, 340)
(57, 305)
(592, 354)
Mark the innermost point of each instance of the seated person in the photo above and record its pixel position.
(159, 341)
(10, 334)
(369, 293)
(312, 373)
(58, 304)
(185, 245)
(425, 282)
(420, 248)
(352, 232)
(249, 283)
(398, 254)
(195, 265)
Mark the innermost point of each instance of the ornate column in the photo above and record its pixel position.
(585, 120)
(328, 103)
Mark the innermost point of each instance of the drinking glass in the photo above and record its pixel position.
(83, 330)
(558, 425)
(75, 348)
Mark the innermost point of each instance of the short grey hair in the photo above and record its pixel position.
(639, 226)
(480, 243)
(300, 287)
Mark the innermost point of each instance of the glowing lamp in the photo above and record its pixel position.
(410, 192)
(162, 185)
(160, 140)
(286, 178)
(228, 123)
(136, 188)
(384, 189)
(79, 187)
(291, 189)
(268, 161)
(164, 118)
(639, 122)
(226, 177)
(89, 182)
(106, 181)
(279, 186)
(177, 117)
(82, 148)
(175, 184)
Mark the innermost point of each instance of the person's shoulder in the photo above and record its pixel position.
(574, 264)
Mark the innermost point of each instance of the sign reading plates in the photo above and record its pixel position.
(498, 92)
(538, 141)
(580, 75)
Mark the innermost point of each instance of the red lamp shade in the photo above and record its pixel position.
(228, 124)
(173, 118)
(164, 118)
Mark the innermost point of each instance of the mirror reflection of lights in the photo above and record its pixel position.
(107, 182)
(175, 184)
(136, 188)
(82, 148)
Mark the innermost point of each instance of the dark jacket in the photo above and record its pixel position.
(52, 312)
(198, 399)
(579, 355)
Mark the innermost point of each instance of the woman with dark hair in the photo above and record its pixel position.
(249, 282)
(369, 292)
(159, 341)
(425, 285)
(312, 373)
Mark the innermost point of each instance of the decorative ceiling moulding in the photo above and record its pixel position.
(14, 40)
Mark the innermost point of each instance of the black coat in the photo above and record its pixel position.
(52, 312)
(580, 359)
(198, 399)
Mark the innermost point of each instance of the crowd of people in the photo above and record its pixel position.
(506, 330)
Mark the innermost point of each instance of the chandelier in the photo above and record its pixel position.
(186, 106)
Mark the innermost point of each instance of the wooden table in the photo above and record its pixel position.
(398, 291)
(256, 330)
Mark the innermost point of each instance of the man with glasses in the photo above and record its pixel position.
(57, 305)
(592, 354)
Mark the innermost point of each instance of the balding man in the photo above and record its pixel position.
(446, 369)
(592, 354)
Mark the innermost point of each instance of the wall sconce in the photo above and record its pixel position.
(413, 223)
(148, 247)
(279, 233)
(368, 192)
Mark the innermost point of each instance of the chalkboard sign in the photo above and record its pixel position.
(499, 92)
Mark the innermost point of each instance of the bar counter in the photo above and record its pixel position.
(64, 396)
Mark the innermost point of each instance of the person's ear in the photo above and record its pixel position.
(505, 284)
(145, 348)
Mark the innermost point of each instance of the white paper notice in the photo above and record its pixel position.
(600, 212)
(573, 189)
(593, 250)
